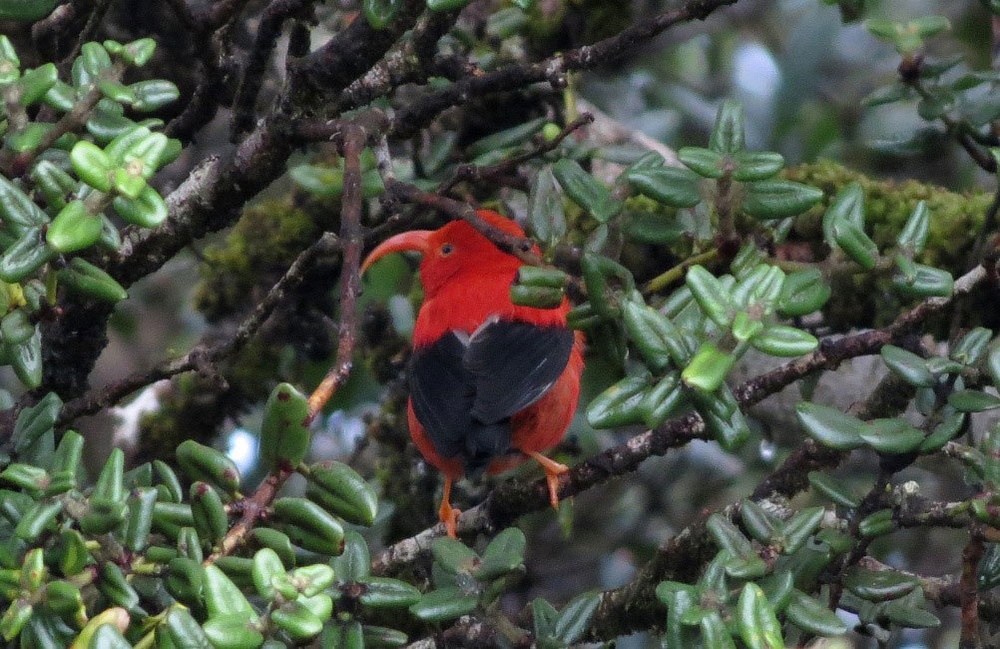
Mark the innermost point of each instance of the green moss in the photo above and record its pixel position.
(862, 299)
(255, 253)
(955, 217)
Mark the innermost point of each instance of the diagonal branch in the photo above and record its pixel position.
(553, 69)
(513, 498)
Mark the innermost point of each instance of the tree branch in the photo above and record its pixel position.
(513, 498)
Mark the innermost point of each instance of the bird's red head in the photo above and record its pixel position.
(453, 249)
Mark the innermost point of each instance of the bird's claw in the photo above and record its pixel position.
(448, 514)
(552, 470)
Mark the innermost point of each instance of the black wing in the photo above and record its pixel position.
(514, 363)
(465, 388)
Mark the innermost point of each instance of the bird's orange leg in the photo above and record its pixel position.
(552, 470)
(446, 513)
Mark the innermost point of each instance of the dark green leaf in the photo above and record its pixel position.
(829, 426)
(667, 185)
(727, 133)
(778, 199)
(585, 190)
(973, 401)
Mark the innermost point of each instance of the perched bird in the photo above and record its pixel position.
(491, 383)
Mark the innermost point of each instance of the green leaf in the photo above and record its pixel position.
(575, 617)
(757, 165)
(619, 405)
(728, 537)
(856, 244)
(913, 236)
(454, 556)
(667, 185)
(878, 585)
(797, 529)
(35, 421)
(308, 525)
(545, 208)
(538, 297)
(153, 94)
(25, 256)
(74, 228)
(910, 367)
(92, 165)
(847, 207)
(232, 631)
(833, 489)
(34, 83)
(728, 132)
(784, 341)
(87, 280)
(971, 347)
(710, 294)
(138, 52)
(813, 617)
(381, 592)
(757, 521)
(879, 523)
(503, 139)
(444, 604)
(708, 369)
(662, 400)
(943, 433)
(585, 190)
(891, 435)
(829, 426)
(379, 13)
(993, 364)
(354, 564)
(55, 184)
(504, 554)
(758, 627)
(284, 432)
(908, 611)
(704, 162)
(802, 293)
(19, 213)
(927, 26)
(778, 199)
(973, 401)
(926, 281)
(147, 210)
(341, 491)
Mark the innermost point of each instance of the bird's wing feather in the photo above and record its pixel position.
(463, 387)
(442, 392)
(513, 364)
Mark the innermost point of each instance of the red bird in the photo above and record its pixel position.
(491, 383)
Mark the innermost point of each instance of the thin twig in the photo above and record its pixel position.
(971, 555)
(350, 276)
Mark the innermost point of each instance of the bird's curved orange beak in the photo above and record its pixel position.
(415, 240)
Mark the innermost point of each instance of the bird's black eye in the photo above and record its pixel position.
(447, 249)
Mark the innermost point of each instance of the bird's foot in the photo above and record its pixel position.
(552, 470)
(448, 514)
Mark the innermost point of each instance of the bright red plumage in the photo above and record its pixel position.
(477, 356)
